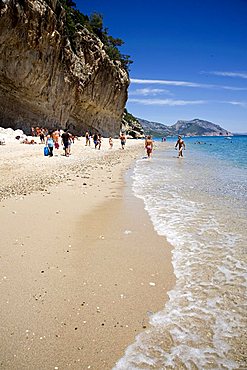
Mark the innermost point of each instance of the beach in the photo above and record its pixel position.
(82, 268)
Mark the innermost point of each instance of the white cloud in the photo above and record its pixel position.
(148, 91)
(176, 102)
(164, 82)
(185, 84)
(228, 74)
(239, 103)
(234, 88)
(170, 102)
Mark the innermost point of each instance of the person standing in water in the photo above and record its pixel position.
(181, 145)
(149, 146)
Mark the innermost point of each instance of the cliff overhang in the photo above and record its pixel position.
(44, 81)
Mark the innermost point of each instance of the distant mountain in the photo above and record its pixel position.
(198, 127)
(155, 129)
(195, 127)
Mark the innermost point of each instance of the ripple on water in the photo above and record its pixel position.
(203, 323)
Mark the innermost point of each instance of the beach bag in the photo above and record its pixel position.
(46, 151)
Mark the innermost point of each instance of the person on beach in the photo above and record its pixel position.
(95, 140)
(50, 143)
(110, 142)
(66, 142)
(122, 140)
(55, 136)
(149, 146)
(69, 144)
(87, 136)
(181, 145)
(38, 131)
(42, 136)
(73, 137)
(26, 141)
(99, 141)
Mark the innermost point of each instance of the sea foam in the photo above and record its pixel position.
(203, 322)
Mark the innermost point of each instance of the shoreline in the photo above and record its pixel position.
(77, 262)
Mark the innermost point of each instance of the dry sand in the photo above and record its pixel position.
(78, 254)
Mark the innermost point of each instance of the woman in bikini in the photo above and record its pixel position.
(149, 146)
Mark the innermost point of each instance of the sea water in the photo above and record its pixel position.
(199, 203)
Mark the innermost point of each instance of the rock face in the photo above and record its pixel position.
(131, 126)
(45, 82)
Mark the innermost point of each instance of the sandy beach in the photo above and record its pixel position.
(81, 265)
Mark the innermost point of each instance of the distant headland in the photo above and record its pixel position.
(195, 127)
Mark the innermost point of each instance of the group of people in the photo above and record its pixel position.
(52, 140)
(97, 140)
(179, 144)
(40, 132)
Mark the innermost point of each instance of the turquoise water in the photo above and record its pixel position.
(199, 204)
(230, 149)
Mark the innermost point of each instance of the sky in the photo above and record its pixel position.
(189, 57)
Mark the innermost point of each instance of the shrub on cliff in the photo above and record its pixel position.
(75, 19)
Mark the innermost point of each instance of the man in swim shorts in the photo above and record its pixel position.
(122, 140)
(181, 145)
(66, 142)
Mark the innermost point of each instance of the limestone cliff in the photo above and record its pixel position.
(131, 126)
(45, 82)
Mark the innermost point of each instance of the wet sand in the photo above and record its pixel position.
(81, 265)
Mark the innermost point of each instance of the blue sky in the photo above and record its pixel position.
(190, 57)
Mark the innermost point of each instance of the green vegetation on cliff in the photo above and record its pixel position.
(131, 125)
(75, 20)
